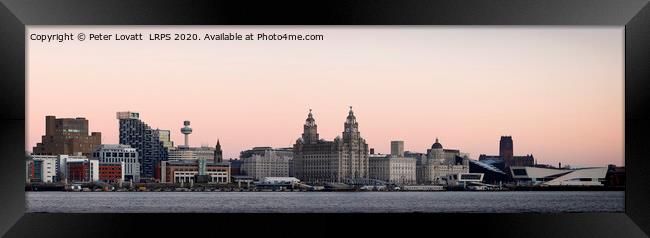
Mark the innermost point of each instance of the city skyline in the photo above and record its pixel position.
(557, 91)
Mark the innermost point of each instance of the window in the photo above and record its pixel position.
(519, 172)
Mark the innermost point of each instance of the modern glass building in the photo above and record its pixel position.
(145, 140)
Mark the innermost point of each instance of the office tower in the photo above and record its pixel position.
(145, 140)
(320, 161)
(67, 136)
(397, 148)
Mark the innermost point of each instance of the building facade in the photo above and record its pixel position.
(165, 138)
(186, 171)
(146, 141)
(535, 176)
(319, 161)
(439, 163)
(42, 168)
(67, 136)
(393, 169)
(191, 153)
(82, 171)
(120, 153)
(261, 162)
(111, 172)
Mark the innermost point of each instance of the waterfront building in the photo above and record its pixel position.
(42, 168)
(536, 176)
(319, 161)
(82, 170)
(506, 155)
(396, 170)
(165, 138)
(439, 163)
(67, 136)
(261, 162)
(120, 153)
(144, 139)
(187, 171)
(492, 174)
(111, 171)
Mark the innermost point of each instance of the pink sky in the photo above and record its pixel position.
(558, 91)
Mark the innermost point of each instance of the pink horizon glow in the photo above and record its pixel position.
(558, 91)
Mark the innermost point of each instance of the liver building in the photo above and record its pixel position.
(318, 161)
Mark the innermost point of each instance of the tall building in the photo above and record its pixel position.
(67, 136)
(218, 153)
(506, 157)
(506, 151)
(145, 140)
(320, 161)
(261, 162)
(120, 154)
(165, 137)
(397, 148)
(439, 163)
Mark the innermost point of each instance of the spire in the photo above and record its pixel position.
(351, 118)
(218, 145)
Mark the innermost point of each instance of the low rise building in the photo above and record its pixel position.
(82, 170)
(111, 172)
(120, 154)
(186, 171)
(536, 176)
(42, 168)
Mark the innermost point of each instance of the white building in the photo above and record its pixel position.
(42, 168)
(263, 162)
(120, 153)
(393, 169)
(559, 177)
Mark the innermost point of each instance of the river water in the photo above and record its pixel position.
(325, 202)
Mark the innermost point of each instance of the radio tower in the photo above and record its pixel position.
(186, 130)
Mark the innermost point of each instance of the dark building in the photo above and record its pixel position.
(506, 155)
(506, 151)
(491, 173)
(67, 136)
(218, 154)
(235, 167)
(615, 176)
(146, 141)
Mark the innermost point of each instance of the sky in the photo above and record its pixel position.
(558, 91)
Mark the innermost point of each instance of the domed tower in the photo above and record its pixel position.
(310, 130)
(351, 127)
(437, 152)
(186, 130)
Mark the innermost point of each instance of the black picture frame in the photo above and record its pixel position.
(15, 15)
